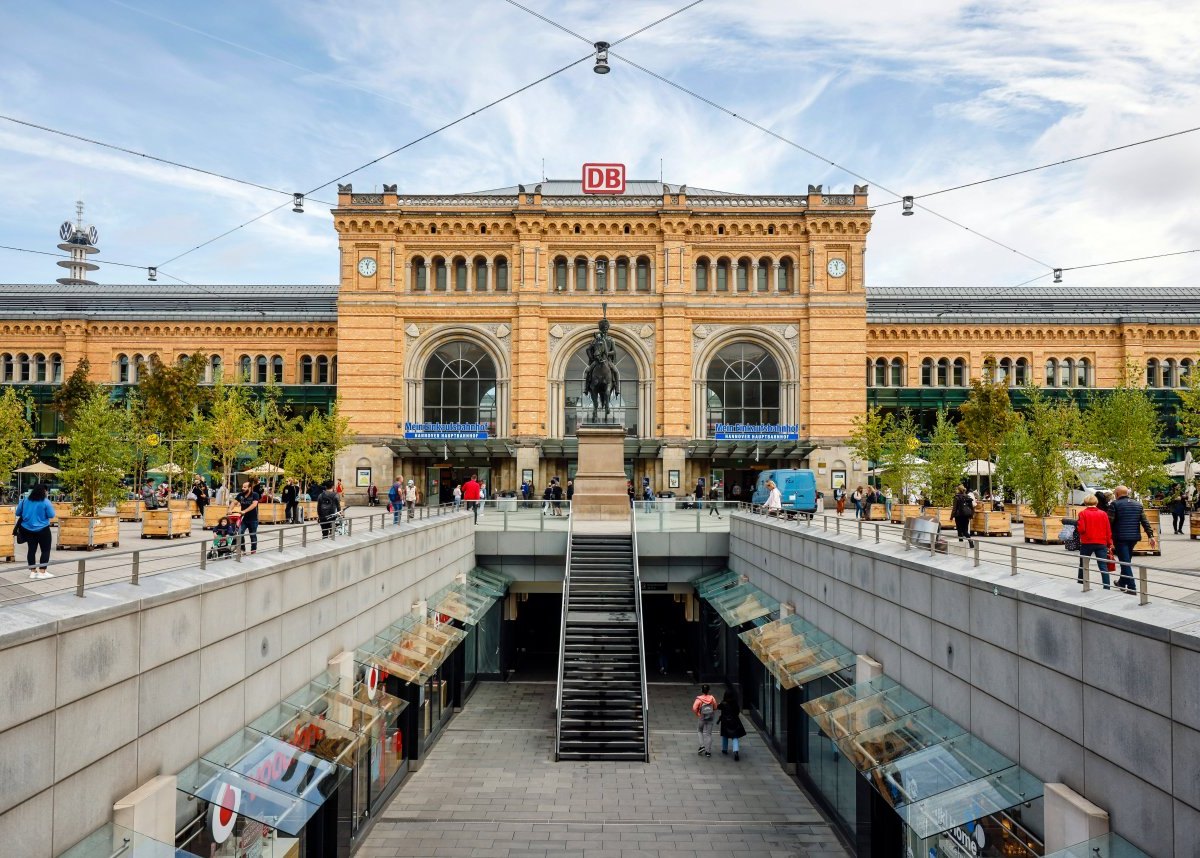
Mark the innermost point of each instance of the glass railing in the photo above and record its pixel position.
(515, 514)
(684, 515)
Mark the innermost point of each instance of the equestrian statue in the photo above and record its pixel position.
(601, 380)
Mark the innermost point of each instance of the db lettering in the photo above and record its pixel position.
(604, 178)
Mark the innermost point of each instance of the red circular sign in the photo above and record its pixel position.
(223, 812)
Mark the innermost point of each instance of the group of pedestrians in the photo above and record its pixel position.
(1108, 529)
(726, 716)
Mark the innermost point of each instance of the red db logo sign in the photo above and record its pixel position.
(604, 178)
(223, 812)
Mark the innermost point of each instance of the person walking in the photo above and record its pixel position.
(470, 493)
(556, 497)
(839, 497)
(1129, 520)
(962, 511)
(395, 499)
(774, 504)
(1178, 507)
(328, 507)
(410, 498)
(714, 496)
(341, 493)
(857, 497)
(1095, 536)
(570, 494)
(704, 707)
(526, 492)
(291, 501)
(247, 502)
(200, 490)
(373, 495)
(730, 721)
(34, 513)
(700, 493)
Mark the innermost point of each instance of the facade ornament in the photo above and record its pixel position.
(557, 332)
(503, 331)
(790, 332)
(346, 188)
(389, 189)
(412, 330)
(701, 331)
(646, 332)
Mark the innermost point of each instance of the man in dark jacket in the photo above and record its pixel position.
(1129, 520)
(328, 506)
(291, 502)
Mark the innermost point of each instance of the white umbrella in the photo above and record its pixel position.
(38, 468)
(1187, 475)
(1179, 469)
(265, 469)
(169, 468)
(910, 459)
(980, 468)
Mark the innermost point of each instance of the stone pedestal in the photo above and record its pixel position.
(600, 483)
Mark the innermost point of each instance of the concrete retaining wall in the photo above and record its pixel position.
(1089, 689)
(97, 695)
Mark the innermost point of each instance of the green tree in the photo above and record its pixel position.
(334, 437)
(76, 390)
(171, 394)
(986, 415)
(1187, 413)
(1036, 447)
(947, 460)
(300, 444)
(868, 435)
(898, 455)
(16, 435)
(230, 430)
(1122, 428)
(98, 456)
(272, 415)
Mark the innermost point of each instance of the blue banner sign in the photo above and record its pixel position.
(757, 432)
(445, 431)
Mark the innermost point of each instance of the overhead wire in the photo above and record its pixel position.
(93, 261)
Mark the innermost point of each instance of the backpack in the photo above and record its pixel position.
(327, 506)
(706, 710)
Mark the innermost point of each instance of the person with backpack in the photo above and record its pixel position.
(962, 511)
(705, 709)
(328, 508)
(394, 500)
(732, 729)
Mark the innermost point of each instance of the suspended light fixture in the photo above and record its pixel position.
(298, 203)
(907, 204)
(601, 58)
(152, 274)
(1057, 275)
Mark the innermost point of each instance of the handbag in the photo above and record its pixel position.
(19, 533)
(1070, 537)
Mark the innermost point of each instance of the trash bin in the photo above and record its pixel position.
(665, 500)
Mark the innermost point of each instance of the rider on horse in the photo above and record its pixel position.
(602, 350)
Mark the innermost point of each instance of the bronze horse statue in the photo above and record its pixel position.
(600, 384)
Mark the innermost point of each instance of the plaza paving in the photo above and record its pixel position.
(490, 787)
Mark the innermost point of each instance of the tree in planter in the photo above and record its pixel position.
(986, 415)
(16, 435)
(231, 429)
(868, 435)
(170, 395)
(272, 415)
(300, 459)
(1122, 428)
(1036, 447)
(898, 456)
(947, 460)
(98, 455)
(334, 436)
(74, 392)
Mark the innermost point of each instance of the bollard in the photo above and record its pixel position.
(976, 552)
(1087, 573)
(1144, 581)
(1012, 549)
(877, 533)
(137, 563)
(837, 528)
(281, 540)
(349, 527)
(79, 575)
(371, 523)
(203, 556)
(304, 535)
(506, 521)
(860, 528)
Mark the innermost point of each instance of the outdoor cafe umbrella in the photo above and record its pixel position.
(980, 468)
(170, 469)
(38, 468)
(264, 470)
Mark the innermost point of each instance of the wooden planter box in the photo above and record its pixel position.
(61, 510)
(309, 510)
(1194, 525)
(991, 523)
(271, 513)
(130, 510)
(877, 512)
(1047, 531)
(942, 513)
(1143, 545)
(1016, 512)
(903, 511)
(88, 532)
(212, 514)
(165, 523)
(8, 542)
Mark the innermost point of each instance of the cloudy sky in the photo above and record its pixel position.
(914, 96)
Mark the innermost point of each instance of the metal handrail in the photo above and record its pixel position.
(195, 552)
(637, 603)
(562, 642)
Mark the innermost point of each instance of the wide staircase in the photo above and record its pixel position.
(601, 674)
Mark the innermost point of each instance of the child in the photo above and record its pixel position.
(223, 533)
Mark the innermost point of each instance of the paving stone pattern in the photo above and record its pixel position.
(491, 788)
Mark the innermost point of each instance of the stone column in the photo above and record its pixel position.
(409, 284)
(491, 276)
(429, 285)
(752, 286)
(712, 276)
(775, 275)
(591, 275)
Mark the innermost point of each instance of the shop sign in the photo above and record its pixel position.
(757, 432)
(445, 431)
(604, 178)
(372, 682)
(223, 813)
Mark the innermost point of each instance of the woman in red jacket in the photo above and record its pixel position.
(1095, 538)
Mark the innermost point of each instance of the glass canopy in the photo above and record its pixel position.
(795, 651)
(742, 604)
(412, 649)
(846, 696)
(274, 808)
(494, 584)
(461, 602)
(894, 739)
(869, 711)
(971, 801)
(112, 839)
(1106, 846)
(281, 766)
(710, 584)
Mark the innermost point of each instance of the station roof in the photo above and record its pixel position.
(574, 188)
(169, 301)
(1033, 304)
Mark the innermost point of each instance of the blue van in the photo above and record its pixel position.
(797, 488)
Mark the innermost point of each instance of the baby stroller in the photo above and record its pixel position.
(224, 538)
(341, 527)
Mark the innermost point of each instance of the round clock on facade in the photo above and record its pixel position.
(367, 266)
(836, 267)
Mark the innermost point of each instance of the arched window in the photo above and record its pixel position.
(581, 274)
(743, 386)
(896, 373)
(1168, 373)
(460, 385)
(277, 369)
(879, 376)
(960, 372)
(460, 274)
(56, 368)
(560, 274)
(786, 274)
(245, 369)
(627, 395)
(501, 274)
(260, 369)
(7, 368)
(1003, 371)
(139, 365)
(1083, 373)
(927, 372)
(215, 368)
(702, 274)
(723, 274)
(623, 271)
(122, 369)
(39, 368)
(306, 369)
(643, 274)
(1185, 372)
(1051, 372)
(1066, 372)
(743, 274)
(419, 282)
(481, 273)
(761, 279)
(23, 367)
(322, 369)
(1153, 376)
(602, 274)
(1021, 372)
(440, 274)
(943, 372)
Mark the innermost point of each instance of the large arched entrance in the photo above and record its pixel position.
(573, 395)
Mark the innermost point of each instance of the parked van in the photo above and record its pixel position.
(797, 488)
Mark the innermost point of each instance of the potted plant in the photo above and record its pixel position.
(229, 431)
(867, 438)
(900, 467)
(1039, 466)
(1005, 474)
(16, 443)
(94, 467)
(946, 461)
